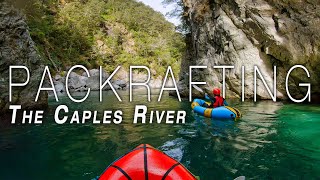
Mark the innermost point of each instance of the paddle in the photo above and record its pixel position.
(198, 88)
(240, 178)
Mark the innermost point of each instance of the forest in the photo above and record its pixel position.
(104, 33)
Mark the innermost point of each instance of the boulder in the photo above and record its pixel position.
(57, 77)
(93, 82)
(115, 86)
(59, 86)
(121, 83)
(76, 82)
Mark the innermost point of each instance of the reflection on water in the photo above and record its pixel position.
(174, 148)
(271, 141)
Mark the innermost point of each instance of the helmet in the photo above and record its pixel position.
(216, 91)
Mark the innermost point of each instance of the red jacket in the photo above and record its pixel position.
(218, 101)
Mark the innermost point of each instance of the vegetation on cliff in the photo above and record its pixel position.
(103, 32)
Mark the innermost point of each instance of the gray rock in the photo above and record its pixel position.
(17, 48)
(122, 75)
(76, 81)
(96, 72)
(73, 75)
(57, 77)
(93, 83)
(60, 87)
(120, 83)
(263, 33)
(81, 89)
(155, 83)
(94, 80)
(115, 86)
(139, 77)
(158, 82)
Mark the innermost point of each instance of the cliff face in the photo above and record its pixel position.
(17, 48)
(265, 33)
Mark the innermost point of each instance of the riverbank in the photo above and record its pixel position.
(80, 82)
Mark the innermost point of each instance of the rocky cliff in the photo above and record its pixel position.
(265, 33)
(17, 48)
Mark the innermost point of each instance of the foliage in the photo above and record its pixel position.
(178, 12)
(107, 33)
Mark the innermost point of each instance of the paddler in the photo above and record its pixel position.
(217, 100)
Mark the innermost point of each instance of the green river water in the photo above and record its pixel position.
(271, 141)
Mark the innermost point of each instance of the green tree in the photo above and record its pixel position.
(107, 33)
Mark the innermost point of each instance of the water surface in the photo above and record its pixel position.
(271, 141)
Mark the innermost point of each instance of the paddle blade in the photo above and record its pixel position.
(240, 178)
(197, 88)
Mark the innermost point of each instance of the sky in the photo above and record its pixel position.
(156, 5)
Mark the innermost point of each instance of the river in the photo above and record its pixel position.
(271, 141)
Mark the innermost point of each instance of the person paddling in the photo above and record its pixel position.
(217, 101)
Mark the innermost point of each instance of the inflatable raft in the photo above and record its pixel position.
(146, 163)
(223, 112)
